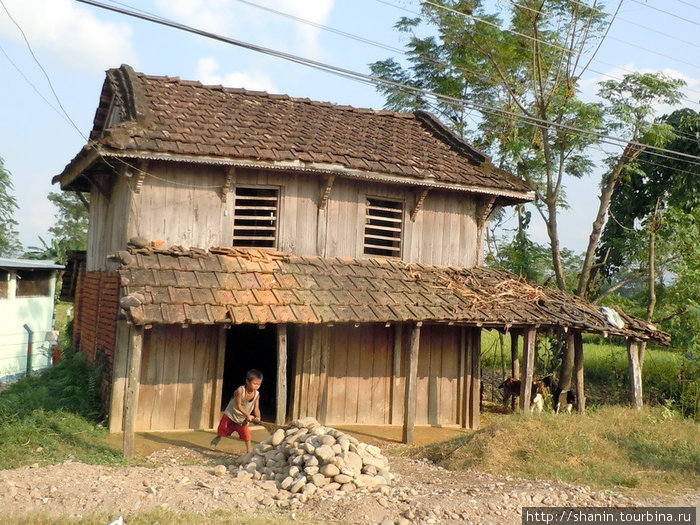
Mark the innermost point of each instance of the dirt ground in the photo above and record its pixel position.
(183, 477)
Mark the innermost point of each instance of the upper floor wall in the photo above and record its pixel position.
(302, 213)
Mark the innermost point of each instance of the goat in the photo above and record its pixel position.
(511, 390)
(556, 391)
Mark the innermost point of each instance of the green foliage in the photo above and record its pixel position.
(9, 238)
(45, 418)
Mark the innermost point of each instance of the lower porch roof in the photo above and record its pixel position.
(174, 285)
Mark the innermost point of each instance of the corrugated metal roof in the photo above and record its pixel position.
(238, 286)
(29, 264)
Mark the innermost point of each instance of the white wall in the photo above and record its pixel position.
(15, 312)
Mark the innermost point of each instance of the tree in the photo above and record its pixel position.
(9, 238)
(522, 76)
(654, 230)
(72, 220)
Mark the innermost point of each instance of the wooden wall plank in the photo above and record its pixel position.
(185, 378)
(397, 375)
(411, 383)
(201, 379)
(120, 367)
(352, 385)
(171, 364)
(324, 359)
(219, 381)
(337, 381)
(423, 379)
(131, 398)
(475, 395)
(435, 367)
(364, 399)
(281, 401)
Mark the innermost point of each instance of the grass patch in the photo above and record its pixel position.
(651, 450)
(55, 415)
(169, 517)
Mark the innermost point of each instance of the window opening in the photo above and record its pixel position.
(255, 217)
(33, 283)
(383, 227)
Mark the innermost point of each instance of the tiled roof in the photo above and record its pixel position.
(238, 286)
(165, 117)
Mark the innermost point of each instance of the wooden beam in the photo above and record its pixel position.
(528, 371)
(218, 377)
(326, 193)
(229, 178)
(635, 372)
(119, 376)
(409, 416)
(131, 395)
(83, 199)
(566, 370)
(420, 199)
(281, 415)
(396, 374)
(475, 394)
(323, 374)
(514, 355)
(462, 383)
(578, 367)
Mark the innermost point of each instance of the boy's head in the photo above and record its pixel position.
(253, 378)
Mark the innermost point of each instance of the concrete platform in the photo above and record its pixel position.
(146, 443)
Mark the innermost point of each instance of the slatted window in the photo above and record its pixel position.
(383, 227)
(255, 217)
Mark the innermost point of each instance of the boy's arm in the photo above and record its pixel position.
(256, 408)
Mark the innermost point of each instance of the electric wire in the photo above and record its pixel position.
(372, 80)
(601, 73)
(694, 22)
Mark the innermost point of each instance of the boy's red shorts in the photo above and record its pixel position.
(228, 427)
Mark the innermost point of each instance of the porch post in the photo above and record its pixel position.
(514, 360)
(578, 366)
(528, 369)
(281, 415)
(409, 420)
(131, 395)
(635, 372)
(566, 369)
(475, 394)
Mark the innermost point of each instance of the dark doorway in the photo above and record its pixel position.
(248, 346)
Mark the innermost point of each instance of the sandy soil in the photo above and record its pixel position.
(178, 480)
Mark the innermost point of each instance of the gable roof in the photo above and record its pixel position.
(165, 118)
(239, 286)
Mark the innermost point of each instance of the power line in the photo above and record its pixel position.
(667, 12)
(372, 80)
(615, 66)
(31, 51)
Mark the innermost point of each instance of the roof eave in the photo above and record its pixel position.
(512, 196)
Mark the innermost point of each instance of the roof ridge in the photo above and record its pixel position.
(277, 96)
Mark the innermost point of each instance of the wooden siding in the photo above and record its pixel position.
(182, 204)
(178, 378)
(364, 384)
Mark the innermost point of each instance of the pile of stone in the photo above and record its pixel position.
(306, 457)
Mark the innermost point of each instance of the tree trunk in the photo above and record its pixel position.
(606, 193)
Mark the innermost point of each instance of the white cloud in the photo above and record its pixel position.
(208, 73)
(209, 15)
(69, 32)
(316, 11)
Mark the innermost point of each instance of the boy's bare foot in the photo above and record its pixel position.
(215, 441)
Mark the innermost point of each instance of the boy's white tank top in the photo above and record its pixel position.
(236, 415)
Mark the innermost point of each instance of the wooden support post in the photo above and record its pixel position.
(528, 369)
(635, 372)
(514, 356)
(566, 370)
(514, 361)
(462, 382)
(578, 366)
(409, 415)
(281, 415)
(323, 374)
(396, 398)
(119, 376)
(218, 378)
(131, 396)
(475, 394)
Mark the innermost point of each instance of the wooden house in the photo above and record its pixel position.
(337, 249)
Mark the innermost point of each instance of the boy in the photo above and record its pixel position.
(243, 408)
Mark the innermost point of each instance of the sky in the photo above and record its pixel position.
(54, 54)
